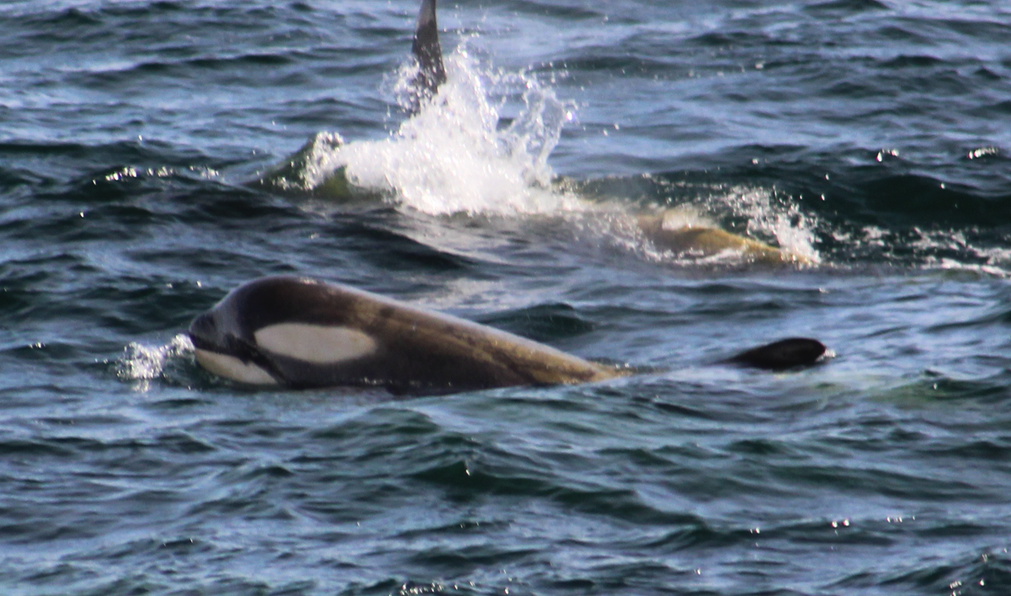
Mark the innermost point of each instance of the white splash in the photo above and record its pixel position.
(451, 157)
(963, 254)
(145, 363)
(685, 216)
(768, 215)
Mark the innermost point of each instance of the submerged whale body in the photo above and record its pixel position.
(298, 332)
(298, 175)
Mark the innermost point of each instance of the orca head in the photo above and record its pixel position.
(280, 330)
(224, 350)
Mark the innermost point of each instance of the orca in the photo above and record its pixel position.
(290, 177)
(298, 332)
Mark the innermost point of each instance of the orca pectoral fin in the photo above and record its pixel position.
(782, 354)
(428, 53)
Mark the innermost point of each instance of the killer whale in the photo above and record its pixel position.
(291, 176)
(298, 332)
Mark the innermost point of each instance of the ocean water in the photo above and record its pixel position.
(870, 136)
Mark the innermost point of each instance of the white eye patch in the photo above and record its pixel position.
(315, 343)
(231, 367)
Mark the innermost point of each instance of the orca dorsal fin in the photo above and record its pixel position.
(428, 54)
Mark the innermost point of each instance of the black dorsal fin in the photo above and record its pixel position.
(428, 53)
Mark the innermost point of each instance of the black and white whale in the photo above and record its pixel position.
(298, 332)
(699, 240)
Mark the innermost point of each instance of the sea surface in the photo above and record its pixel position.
(871, 137)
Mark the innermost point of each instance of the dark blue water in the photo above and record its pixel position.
(871, 137)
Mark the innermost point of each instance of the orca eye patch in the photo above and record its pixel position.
(315, 343)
